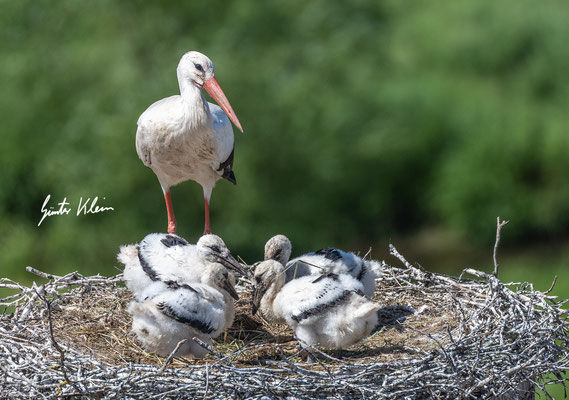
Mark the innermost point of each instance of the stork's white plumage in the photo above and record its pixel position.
(324, 261)
(326, 310)
(171, 311)
(168, 257)
(184, 137)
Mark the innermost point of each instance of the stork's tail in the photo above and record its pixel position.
(128, 254)
(376, 268)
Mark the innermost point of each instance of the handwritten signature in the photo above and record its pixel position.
(86, 207)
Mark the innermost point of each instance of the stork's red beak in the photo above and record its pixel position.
(214, 90)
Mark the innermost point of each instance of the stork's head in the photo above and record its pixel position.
(278, 248)
(197, 69)
(212, 248)
(218, 277)
(267, 273)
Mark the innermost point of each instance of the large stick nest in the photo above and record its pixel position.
(439, 337)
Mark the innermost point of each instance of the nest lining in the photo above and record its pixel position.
(438, 337)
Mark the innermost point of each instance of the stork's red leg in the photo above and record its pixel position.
(170, 211)
(207, 228)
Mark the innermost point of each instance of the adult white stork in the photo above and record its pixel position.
(184, 137)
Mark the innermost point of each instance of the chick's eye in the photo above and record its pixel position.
(198, 67)
(215, 248)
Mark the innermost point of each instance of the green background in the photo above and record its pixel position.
(366, 122)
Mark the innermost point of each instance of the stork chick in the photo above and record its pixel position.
(184, 137)
(326, 310)
(170, 312)
(168, 257)
(323, 261)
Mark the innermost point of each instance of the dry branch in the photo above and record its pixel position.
(499, 226)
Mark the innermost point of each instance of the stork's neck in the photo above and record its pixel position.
(268, 299)
(196, 107)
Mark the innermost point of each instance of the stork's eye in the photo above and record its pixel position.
(198, 67)
(215, 248)
(259, 277)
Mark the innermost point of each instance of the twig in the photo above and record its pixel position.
(552, 285)
(37, 272)
(52, 337)
(499, 226)
(393, 251)
(210, 348)
(171, 356)
(366, 255)
(206, 379)
(305, 346)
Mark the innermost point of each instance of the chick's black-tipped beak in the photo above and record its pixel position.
(231, 264)
(231, 290)
(258, 292)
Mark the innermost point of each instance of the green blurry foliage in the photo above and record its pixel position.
(362, 120)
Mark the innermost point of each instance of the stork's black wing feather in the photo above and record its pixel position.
(171, 240)
(195, 323)
(227, 168)
(153, 275)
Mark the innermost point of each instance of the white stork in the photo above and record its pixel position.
(168, 257)
(171, 311)
(184, 137)
(323, 261)
(327, 310)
